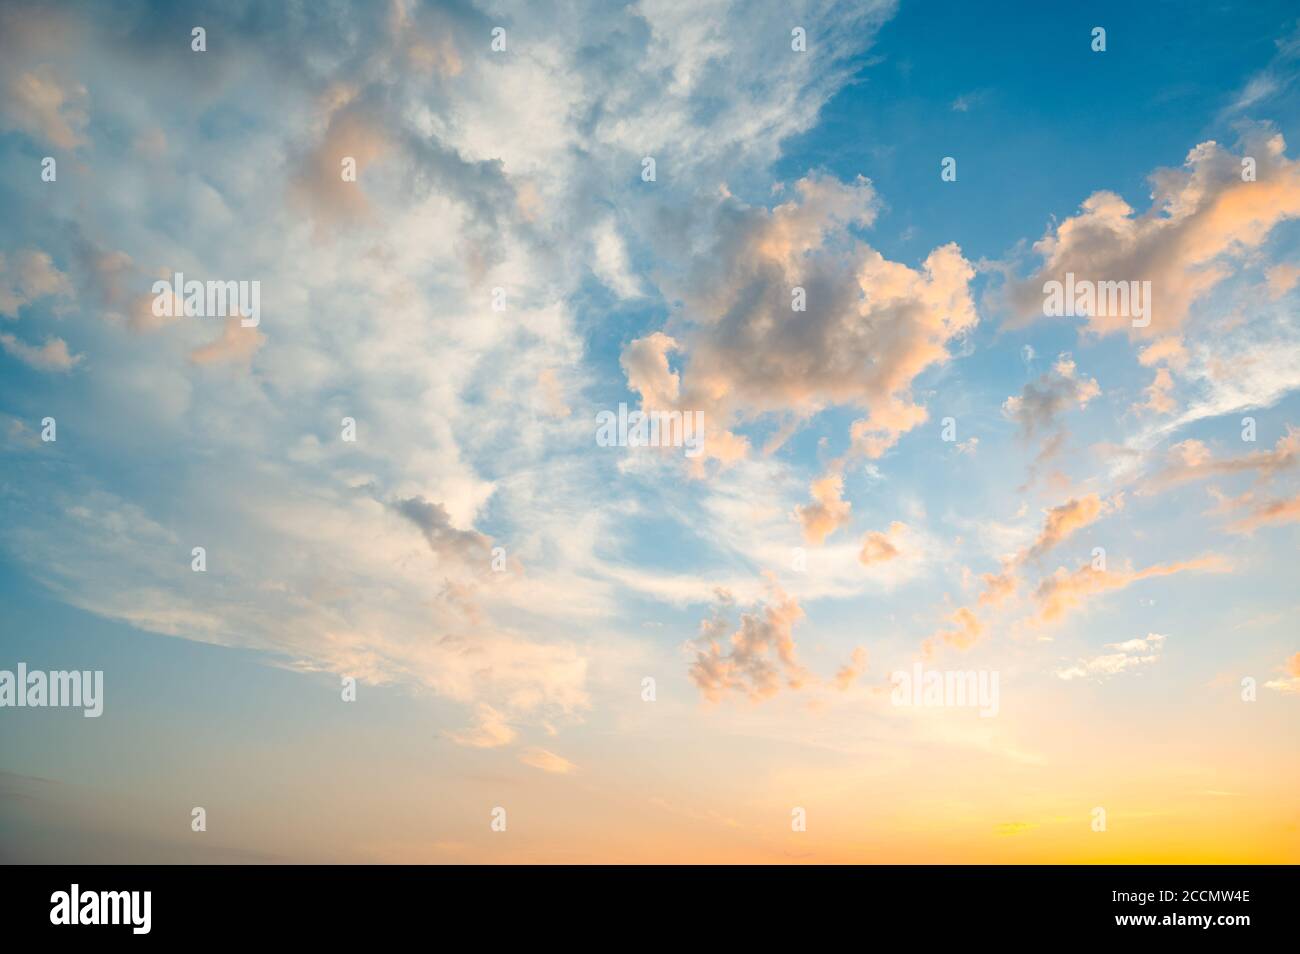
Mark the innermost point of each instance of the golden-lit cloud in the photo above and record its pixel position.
(1290, 682)
(1203, 216)
(827, 513)
(761, 654)
(1064, 519)
(851, 670)
(492, 730)
(547, 761)
(1067, 590)
(235, 345)
(1256, 511)
(791, 313)
(1193, 460)
(879, 547)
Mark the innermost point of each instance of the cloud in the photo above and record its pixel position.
(1065, 590)
(1260, 512)
(998, 587)
(1271, 80)
(474, 170)
(1169, 350)
(1039, 406)
(1281, 279)
(827, 513)
(1291, 680)
(1192, 460)
(1064, 519)
(445, 540)
(1159, 394)
(50, 108)
(547, 761)
(611, 263)
(1202, 218)
(761, 654)
(51, 356)
(964, 102)
(236, 345)
(491, 731)
(879, 547)
(870, 327)
(851, 670)
(1130, 654)
(968, 630)
(27, 277)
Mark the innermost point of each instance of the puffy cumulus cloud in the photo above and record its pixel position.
(645, 362)
(827, 513)
(1038, 408)
(1066, 590)
(547, 761)
(1193, 460)
(878, 547)
(761, 651)
(28, 276)
(1130, 654)
(53, 355)
(870, 327)
(1202, 222)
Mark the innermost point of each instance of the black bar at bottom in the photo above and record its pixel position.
(657, 904)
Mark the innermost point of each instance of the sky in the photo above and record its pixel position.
(438, 616)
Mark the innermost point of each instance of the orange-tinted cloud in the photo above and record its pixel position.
(53, 355)
(828, 512)
(1260, 512)
(1066, 590)
(762, 651)
(851, 670)
(1193, 460)
(236, 345)
(867, 328)
(1064, 519)
(878, 547)
(1202, 215)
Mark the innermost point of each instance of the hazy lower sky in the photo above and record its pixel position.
(828, 229)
